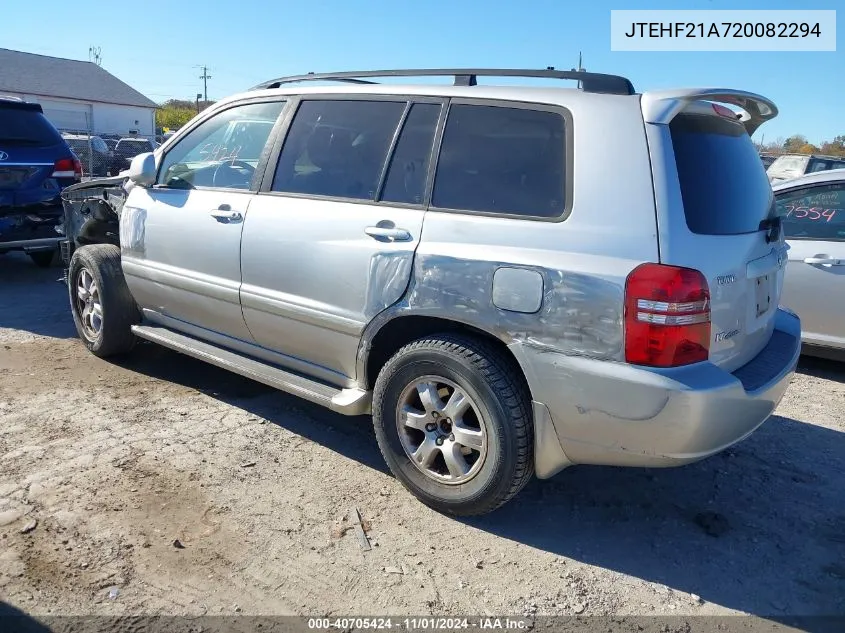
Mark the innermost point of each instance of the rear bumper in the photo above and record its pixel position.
(613, 413)
(30, 228)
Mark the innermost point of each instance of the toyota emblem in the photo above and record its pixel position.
(3, 155)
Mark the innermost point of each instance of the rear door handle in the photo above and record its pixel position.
(387, 234)
(830, 261)
(226, 216)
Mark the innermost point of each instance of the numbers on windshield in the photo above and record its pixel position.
(810, 213)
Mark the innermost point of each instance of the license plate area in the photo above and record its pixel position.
(763, 294)
(12, 178)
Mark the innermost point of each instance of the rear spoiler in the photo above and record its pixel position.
(13, 103)
(661, 106)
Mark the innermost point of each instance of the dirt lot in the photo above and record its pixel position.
(161, 485)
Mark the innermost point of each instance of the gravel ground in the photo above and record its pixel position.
(161, 485)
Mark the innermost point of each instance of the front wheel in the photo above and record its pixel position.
(453, 421)
(103, 309)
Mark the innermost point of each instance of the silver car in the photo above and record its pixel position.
(813, 208)
(458, 261)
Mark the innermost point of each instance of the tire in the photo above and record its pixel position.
(498, 401)
(42, 259)
(100, 264)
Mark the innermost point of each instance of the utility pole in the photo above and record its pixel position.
(205, 77)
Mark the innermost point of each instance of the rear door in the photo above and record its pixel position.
(814, 224)
(330, 240)
(713, 202)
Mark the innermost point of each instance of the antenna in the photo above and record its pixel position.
(95, 55)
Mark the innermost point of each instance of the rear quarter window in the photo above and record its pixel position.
(723, 184)
(501, 160)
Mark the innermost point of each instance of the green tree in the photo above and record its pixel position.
(795, 143)
(175, 113)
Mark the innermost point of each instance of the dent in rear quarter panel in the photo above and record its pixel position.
(583, 262)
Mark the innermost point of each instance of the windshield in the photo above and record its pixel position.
(724, 186)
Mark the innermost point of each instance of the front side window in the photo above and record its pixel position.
(222, 151)
(813, 213)
(502, 160)
(337, 148)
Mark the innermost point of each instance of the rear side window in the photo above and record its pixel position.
(408, 171)
(501, 160)
(337, 148)
(723, 184)
(26, 127)
(824, 164)
(814, 213)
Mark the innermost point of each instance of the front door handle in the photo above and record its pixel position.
(383, 233)
(829, 261)
(226, 216)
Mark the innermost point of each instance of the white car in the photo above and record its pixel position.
(813, 211)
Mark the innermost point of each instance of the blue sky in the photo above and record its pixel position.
(156, 47)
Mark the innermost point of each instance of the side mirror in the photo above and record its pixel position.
(142, 170)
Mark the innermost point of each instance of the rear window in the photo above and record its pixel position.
(26, 127)
(789, 164)
(724, 186)
(134, 146)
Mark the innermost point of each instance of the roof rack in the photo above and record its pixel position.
(588, 82)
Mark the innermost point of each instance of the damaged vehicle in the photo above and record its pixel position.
(452, 260)
(36, 164)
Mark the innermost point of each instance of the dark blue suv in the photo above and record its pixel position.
(35, 165)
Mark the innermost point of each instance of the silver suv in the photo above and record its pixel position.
(460, 262)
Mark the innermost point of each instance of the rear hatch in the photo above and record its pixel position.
(718, 217)
(31, 151)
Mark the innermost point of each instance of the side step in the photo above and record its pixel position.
(345, 401)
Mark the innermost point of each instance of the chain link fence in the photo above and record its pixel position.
(104, 155)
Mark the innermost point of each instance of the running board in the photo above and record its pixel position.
(345, 401)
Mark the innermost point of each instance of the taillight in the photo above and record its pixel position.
(667, 316)
(68, 168)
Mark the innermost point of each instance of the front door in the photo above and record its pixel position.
(331, 242)
(181, 239)
(814, 288)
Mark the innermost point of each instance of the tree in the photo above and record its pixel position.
(795, 143)
(836, 147)
(175, 113)
(170, 118)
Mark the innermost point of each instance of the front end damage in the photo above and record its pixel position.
(92, 213)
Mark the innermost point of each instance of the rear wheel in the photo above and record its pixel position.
(103, 309)
(42, 259)
(453, 421)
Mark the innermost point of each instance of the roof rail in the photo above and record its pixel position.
(588, 82)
